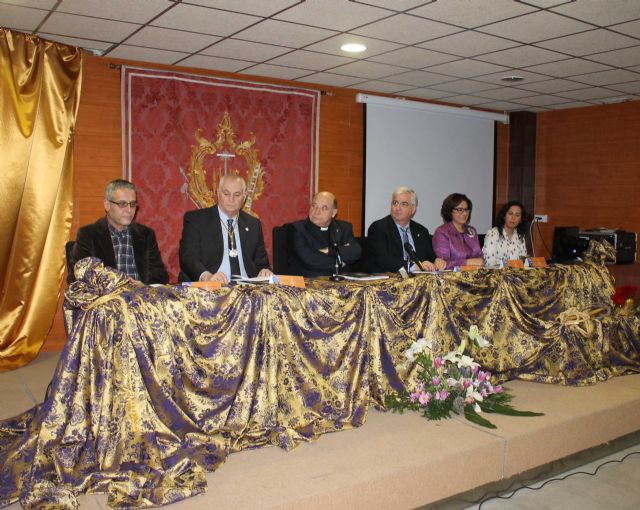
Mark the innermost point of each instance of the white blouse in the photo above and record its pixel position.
(498, 248)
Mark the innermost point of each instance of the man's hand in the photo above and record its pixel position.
(428, 266)
(214, 277)
(265, 272)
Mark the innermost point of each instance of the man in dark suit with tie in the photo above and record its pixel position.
(118, 240)
(320, 240)
(221, 241)
(386, 237)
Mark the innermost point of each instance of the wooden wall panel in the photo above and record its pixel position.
(502, 165)
(588, 168)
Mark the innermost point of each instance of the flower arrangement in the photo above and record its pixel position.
(626, 297)
(453, 383)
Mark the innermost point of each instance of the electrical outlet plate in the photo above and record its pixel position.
(542, 218)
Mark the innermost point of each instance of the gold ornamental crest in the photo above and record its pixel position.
(229, 152)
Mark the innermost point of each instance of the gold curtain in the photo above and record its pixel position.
(39, 95)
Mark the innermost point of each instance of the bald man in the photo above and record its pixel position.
(317, 238)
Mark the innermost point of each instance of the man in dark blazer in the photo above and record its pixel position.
(119, 241)
(385, 248)
(320, 239)
(217, 238)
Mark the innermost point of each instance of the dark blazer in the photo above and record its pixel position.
(384, 245)
(307, 240)
(201, 244)
(95, 241)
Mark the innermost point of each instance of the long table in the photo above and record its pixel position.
(157, 385)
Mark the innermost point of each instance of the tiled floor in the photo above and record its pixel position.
(615, 486)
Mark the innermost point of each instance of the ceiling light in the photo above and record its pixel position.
(353, 47)
(614, 100)
(512, 79)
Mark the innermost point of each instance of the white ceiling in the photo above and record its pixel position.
(571, 53)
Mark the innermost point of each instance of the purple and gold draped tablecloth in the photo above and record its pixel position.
(157, 385)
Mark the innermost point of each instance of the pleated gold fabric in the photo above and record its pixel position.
(39, 95)
(157, 385)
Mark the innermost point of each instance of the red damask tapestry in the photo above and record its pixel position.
(183, 131)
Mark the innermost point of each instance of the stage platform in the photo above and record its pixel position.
(395, 461)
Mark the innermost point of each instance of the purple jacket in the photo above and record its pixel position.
(456, 247)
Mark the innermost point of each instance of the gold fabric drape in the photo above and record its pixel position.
(39, 95)
(158, 385)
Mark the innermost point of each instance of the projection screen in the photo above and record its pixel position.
(434, 149)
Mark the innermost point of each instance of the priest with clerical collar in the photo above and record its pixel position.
(320, 240)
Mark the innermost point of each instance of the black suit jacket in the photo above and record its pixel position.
(95, 241)
(384, 245)
(307, 240)
(201, 245)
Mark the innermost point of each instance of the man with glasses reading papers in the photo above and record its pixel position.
(119, 241)
(220, 241)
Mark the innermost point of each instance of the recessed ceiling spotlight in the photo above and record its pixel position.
(512, 79)
(353, 47)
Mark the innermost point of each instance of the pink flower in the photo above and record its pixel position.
(498, 389)
(424, 398)
(437, 362)
(466, 383)
(436, 380)
(475, 369)
(484, 392)
(442, 395)
(482, 376)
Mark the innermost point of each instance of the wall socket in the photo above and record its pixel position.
(542, 218)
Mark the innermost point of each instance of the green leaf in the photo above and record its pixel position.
(471, 415)
(493, 407)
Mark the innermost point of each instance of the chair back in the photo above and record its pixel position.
(362, 264)
(282, 248)
(68, 251)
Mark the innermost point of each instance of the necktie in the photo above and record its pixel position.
(233, 252)
(405, 239)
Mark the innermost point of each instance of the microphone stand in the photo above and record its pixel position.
(412, 256)
(336, 276)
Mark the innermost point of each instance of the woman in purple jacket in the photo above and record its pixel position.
(456, 241)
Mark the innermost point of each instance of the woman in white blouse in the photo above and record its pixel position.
(506, 241)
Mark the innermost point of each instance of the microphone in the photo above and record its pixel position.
(336, 277)
(413, 256)
(336, 250)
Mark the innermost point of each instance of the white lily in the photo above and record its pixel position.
(417, 347)
(474, 335)
(451, 357)
(471, 392)
(466, 361)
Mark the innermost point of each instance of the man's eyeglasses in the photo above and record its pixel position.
(395, 203)
(123, 204)
(461, 209)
